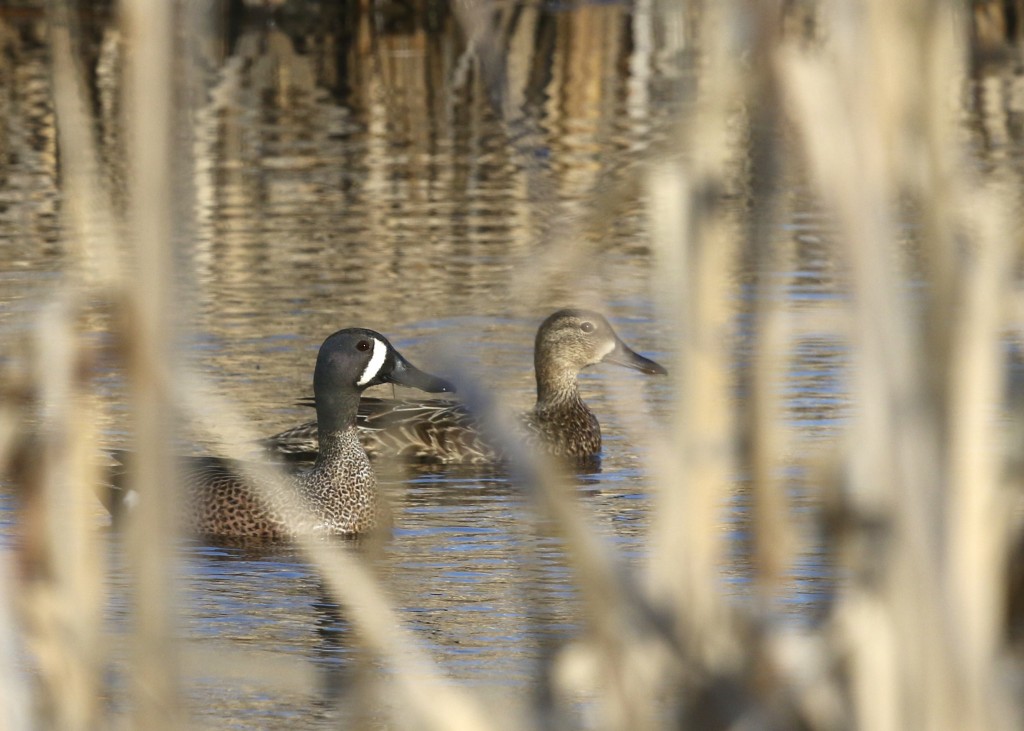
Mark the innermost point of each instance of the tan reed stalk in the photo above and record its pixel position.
(981, 512)
(89, 225)
(762, 428)
(65, 591)
(15, 691)
(15, 695)
(61, 588)
(697, 251)
(150, 336)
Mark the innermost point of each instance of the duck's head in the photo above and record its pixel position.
(352, 360)
(570, 340)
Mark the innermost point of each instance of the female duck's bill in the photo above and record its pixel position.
(621, 354)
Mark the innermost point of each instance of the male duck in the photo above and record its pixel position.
(339, 492)
(440, 431)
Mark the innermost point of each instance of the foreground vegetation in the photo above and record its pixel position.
(921, 500)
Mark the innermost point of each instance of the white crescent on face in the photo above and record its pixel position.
(380, 352)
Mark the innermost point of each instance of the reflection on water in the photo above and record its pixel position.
(354, 168)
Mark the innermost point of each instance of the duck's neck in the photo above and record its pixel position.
(565, 425)
(335, 413)
(336, 447)
(557, 387)
(335, 423)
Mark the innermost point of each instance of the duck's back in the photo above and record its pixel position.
(422, 431)
(441, 432)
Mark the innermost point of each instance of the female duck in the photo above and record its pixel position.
(560, 423)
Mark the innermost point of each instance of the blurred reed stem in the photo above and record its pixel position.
(696, 249)
(981, 512)
(61, 581)
(762, 433)
(69, 604)
(151, 339)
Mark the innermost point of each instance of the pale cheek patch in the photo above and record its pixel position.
(605, 350)
(380, 352)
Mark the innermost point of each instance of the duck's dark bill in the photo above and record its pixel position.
(622, 355)
(406, 374)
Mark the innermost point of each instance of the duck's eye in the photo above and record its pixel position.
(587, 327)
(363, 345)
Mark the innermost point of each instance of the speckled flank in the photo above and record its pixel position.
(339, 493)
(440, 431)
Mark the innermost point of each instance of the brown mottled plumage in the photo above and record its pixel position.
(441, 431)
(338, 493)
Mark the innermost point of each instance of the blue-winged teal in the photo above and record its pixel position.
(339, 492)
(440, 431)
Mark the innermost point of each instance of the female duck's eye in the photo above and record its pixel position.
(363, 345)
(587, 327)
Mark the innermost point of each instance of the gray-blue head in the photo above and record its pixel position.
(351, 361)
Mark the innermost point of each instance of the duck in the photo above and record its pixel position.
(338, 493)
(440, 431)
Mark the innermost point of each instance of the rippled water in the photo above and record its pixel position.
(355, 172)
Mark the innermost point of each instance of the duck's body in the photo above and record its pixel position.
(440, 431)
(338, 493)
(564, 428)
